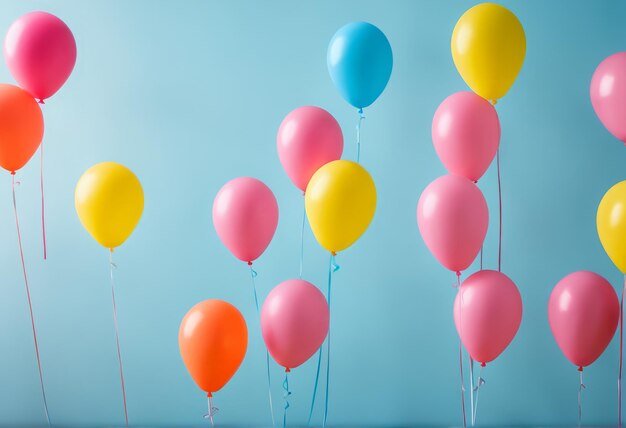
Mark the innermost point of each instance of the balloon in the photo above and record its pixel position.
(466, 134)
(488, 48)
(109, 203)
(452, 217)
(583, 311)
(21, 127)
(294, 322)
(608, 91)
(245, 216)
(213, 339)
(487, 314)
(359, 61)
(40, 52)
(611, 224)
(308, 138)
(340, 202)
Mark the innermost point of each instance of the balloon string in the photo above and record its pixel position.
(212, 410)
(317, 378)
(471, 369)
(481, 257)
(333, 267)
(302, 238)
(253, 275)
(621, 346)
(117, 334)
(30, 304)
(458, 286)
(43, 205)
(286, 397)
(481, 382)
(500, 211)
(581, 386)
(358, 134)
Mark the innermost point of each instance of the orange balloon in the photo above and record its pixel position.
(21, 127)
(213, 339)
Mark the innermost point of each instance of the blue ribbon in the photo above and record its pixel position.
(358, 134)
(333, 267)
(286, 397)
(253, 275)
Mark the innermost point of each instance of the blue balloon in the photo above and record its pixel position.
(359, 62)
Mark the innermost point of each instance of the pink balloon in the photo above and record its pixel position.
(583, 312)
(245, 216)
(608, 92)
(40, 52)
(487, 314)
(294, 322)
(308, 138)
(466, 134)
(452, 216)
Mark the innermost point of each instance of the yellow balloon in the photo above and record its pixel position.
(340, 202)
(611, 223)
(109, 203)
(488, 48)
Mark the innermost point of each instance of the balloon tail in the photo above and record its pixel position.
(30, 304)
(43, 205)
(302, 239)
(317, 378)
(333, 267)
(253, 275)
(117, 334)
(358, 134)
(500, 211)
(476, 389)
(286, 397)
(621, 348)
(581, 386)
(212, 410)
(40, 101)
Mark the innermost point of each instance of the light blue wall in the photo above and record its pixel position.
(189, 95)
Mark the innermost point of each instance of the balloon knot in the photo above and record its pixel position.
(475, 181)
(210, 395)
(111, 249)
(458, 273)
(12, 172)
(494, 102)
(41, 101)
(580, 368)
(249, 263)
(287, 370)
(483, 364)
(332, 253)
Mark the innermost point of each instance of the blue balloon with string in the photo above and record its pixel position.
(359, 62)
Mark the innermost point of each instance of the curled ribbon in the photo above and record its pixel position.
(358, 134)
(286, 397)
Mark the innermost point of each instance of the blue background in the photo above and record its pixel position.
(189, 95)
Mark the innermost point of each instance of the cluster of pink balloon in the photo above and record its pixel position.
(584, 310)
(452, 213)
(340, 201)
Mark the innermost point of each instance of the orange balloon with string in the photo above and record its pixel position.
(213, 340)
(21, 127)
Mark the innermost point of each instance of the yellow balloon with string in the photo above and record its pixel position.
(340, 202)
(488, 48)
(109, 203)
